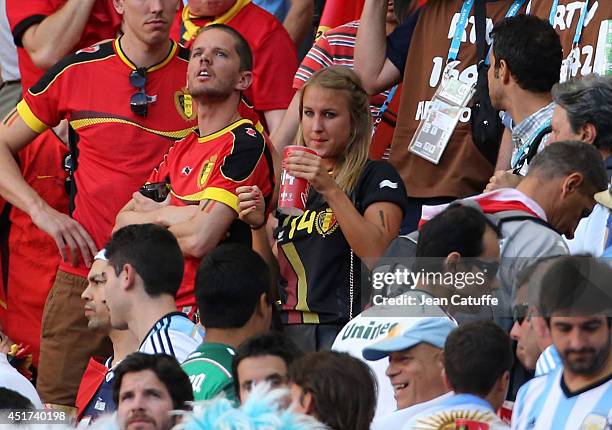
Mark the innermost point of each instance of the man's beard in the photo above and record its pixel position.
(212, 94)
(590, 366)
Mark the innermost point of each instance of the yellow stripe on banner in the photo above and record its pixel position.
(177, 134)
(29, 118)
(302, 284)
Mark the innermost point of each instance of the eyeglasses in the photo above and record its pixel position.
(489, 268)
(139, 102)
(520, 312)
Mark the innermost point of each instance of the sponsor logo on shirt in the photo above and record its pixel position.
(387, 183)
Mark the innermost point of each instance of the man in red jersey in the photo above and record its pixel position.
(274, 56)
(118, 138)
(205, 169)
(44, 31)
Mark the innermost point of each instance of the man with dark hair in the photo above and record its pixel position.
(147, 388)
(525, 62)
(335, 388)
(11, 400)
(143, 274)
(94, 397)
(576, 301)
(205, 169)
(457, 243)
(264, 358)
(534, 348)
(477, 363)
(233, 295)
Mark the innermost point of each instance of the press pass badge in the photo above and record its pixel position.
(447, 105)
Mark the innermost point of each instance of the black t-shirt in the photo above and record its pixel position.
(314, 256)
(398, 41)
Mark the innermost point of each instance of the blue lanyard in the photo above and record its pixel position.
(385, 105)
(383, 108)
(579, 27)
(553, 12)
(453, 52)
(514, 8)
(525, 146)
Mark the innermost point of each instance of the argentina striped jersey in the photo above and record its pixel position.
(173, 334)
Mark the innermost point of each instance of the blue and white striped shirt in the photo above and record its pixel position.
(547, 361)
(545, 403)
(173, 334)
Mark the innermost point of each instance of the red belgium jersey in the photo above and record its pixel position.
(116, 149)
(211, 168)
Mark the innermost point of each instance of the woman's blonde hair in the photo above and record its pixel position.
(348, 165)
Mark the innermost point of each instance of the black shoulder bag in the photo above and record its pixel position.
(487, 127)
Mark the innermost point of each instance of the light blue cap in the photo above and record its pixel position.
(433, 331)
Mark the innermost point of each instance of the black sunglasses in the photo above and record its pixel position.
(139, 102)
(520, 312)
(489, 268)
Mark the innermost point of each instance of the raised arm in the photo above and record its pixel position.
(56, 35)
(376, 71)
(298, 21)
(70, 237)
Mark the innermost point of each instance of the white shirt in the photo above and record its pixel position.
(373, 325)
(443, 413)
(13, 380)
(590, 233)
(9, 69)
(173, 334)
(396, 419)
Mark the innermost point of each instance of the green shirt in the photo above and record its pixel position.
(210, 371)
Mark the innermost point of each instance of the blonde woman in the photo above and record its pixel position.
(354, 210)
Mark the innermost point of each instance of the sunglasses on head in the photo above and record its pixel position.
(520, 312)
(139, 102)
(489, 268)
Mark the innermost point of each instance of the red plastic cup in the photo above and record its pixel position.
(464, 424)
(293, 191)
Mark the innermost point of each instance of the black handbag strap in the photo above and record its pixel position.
(480, 22)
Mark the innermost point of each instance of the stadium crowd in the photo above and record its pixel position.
(304, 214)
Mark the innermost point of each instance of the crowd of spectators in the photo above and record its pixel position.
(448, 267)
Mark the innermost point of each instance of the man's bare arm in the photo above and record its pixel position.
(376, 71)
(56, 36)
(68, 234)
(274, 118)
(298, 21)
(198, 236)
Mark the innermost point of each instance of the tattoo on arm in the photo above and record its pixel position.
(10, 118)
(382, 219)
(208, 205)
